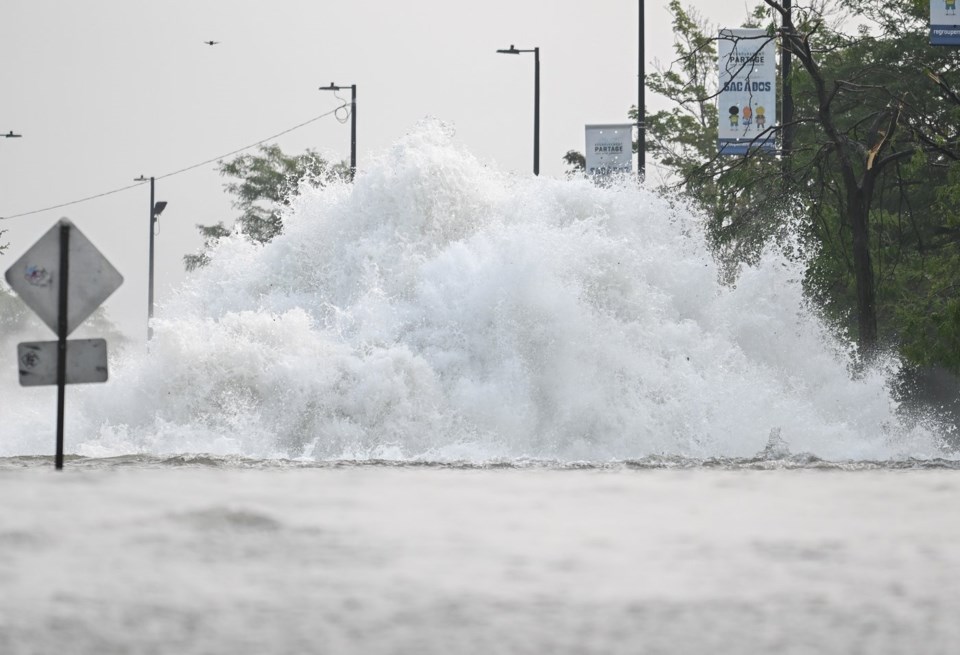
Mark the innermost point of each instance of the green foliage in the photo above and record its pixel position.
(211, 234)
(263, 185)
(738, 196)
(576, 163)
(683, 137)
(876, 132)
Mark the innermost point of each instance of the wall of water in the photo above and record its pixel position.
(440, 308)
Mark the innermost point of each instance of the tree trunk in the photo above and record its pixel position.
(858, 210)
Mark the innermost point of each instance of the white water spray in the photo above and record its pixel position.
(441, 309)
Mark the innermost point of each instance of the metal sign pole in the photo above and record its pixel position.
(62, 338)
(41, 278)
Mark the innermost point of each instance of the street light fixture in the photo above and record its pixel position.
(156, 208)
(11, 135)
(353, 122)
(536, 102)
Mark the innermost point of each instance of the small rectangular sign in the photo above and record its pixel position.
(609, 149)
(944, 25)
(86, 362)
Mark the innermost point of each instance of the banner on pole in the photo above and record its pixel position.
(747, 103)
(609, 149)
(944, 25)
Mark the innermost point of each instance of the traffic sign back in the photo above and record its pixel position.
(35, 277)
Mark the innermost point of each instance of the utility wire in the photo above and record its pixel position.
(177, 172)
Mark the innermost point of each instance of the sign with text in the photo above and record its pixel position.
(747, 103)
(609, 149)
(944, 25)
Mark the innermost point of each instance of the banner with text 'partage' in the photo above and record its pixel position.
(944, 25)
(609, 149)
(747, 103)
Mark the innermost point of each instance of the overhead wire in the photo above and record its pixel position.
(344, 106)
(182, 170)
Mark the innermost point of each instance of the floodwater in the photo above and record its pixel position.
(196, 555)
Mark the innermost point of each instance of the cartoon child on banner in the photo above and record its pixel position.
(761, 115)
(951, 7)
(734, 116)
(746, 116)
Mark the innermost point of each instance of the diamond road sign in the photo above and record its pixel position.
(86, 361)
(35, 277)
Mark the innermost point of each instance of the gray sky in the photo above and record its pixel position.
(106, 90)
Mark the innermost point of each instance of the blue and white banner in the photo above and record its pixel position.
(944, 26)
(747, 103)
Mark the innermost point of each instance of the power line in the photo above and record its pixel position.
(177, 172)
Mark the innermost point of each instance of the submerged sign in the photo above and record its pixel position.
(609, 149)
(747, 101)
(944, 25)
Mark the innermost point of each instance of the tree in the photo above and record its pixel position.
(576, 163)
(263, 185)
(873, 136)
(737, 195)
(872, 174)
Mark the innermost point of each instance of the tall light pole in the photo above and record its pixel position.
(536, 101)
(641, 111)
(786, 138)
(353, 122)
(156, 208)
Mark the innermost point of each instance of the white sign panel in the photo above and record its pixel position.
(86, 362)
(747, 103)
(36, 277)
(609, 149)
(944, 25)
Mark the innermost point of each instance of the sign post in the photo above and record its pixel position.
(62, 337)
(63, 278)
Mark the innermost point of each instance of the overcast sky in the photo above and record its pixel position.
(106, 90)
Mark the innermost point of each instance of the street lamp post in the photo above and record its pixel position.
(353, 122)
(536, 101)
(787, 100)
(641, 109)
(156, 208)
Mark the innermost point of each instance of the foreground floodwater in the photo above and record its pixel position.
(204, 555)
(455, 410)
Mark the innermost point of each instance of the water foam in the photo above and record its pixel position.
(439, 308)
